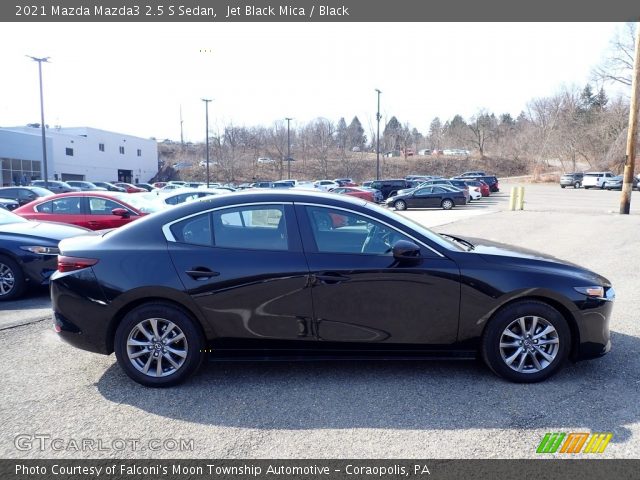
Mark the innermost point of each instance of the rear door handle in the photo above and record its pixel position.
(201, 273)
(331, 278)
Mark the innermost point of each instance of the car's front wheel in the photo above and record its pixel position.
(400, 205)
(527, 341)
(447, 204)
(12, 281)
(159, 345)
(576, 185)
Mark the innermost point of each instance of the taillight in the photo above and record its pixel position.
(70, 264)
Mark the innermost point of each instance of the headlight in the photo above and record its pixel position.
(592, 292)
(41, 250)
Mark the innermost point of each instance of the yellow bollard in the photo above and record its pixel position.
(512, 199)
(520, 198)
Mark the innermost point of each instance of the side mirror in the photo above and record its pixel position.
(405, 250)
(121, 212)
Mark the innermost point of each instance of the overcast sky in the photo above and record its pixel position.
(133, 78)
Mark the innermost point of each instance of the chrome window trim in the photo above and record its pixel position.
(375, 220)
(166, 228)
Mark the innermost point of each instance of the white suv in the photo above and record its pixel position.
(596, 179)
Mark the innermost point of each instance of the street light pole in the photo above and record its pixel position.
(288, 149)
(44, 137)
(206, 121)
(378, 139)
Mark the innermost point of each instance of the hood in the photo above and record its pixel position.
(511, 254)
(49, 230)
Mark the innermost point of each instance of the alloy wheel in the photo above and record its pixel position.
(7, 279)
(529, 344)
(157, 347)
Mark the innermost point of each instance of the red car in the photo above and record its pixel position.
(354, 192)
(129, 188)
(484, 187)
(93, 210)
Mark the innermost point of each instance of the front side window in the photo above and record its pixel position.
(102, 206)
(339, 231)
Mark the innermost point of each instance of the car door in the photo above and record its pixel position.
(421, 198)
(361, 294)
(100, 213)
(245, 268)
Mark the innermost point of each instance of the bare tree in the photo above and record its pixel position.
(617, 65)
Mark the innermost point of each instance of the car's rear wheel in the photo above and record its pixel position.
(159, 345)
(12, 281)
(562, 186)
(527, 341)
(576, 185)
(400, 205)
(447, 204)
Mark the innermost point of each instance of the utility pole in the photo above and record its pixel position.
(288, 149)
(44, 137)
(181, 131)
(378, 139)
(206, 116)
(632, 134)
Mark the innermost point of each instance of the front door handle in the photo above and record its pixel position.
(201, 273)
(331, 278)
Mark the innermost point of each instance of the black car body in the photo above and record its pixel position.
(429, 196)
(24, 195)
(28, 252)
(389, 188)
(299, 274)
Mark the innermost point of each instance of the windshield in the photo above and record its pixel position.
(422, 230)
(7, 217)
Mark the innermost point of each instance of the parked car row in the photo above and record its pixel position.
(601, 180)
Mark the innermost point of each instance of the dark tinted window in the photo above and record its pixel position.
(194, 230)
(252, 227)
(338, 231)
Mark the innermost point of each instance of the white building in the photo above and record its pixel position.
(81, 153)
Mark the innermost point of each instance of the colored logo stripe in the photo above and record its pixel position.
(598, 442)
(550, 443)
(574, 442)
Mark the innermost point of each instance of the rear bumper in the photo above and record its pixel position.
(80, 320)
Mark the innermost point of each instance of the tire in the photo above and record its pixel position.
(12, 280)
(447, 204)
(400, 205)
(562, 186)
(587, 188)
(165, 368)
(508, 361)
(576, 185)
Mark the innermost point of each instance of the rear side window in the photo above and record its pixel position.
(61, 206)
(252, 227)
(194, 230)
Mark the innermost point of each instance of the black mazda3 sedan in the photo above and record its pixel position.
(292, 274)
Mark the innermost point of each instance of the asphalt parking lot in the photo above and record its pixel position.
(52, 391)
